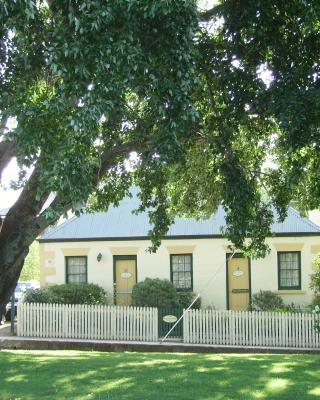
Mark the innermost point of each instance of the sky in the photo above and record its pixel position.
(7, 196)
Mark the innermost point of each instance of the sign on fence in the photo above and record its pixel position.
(87, 322)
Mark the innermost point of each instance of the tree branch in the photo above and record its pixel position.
(108, 159)
(108, 156)
(41, 222)
(26, 208)
(207, 15)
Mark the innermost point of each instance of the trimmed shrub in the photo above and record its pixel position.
(154, 293)
(79, 294)
(186, 298)
(265, 300)
(69, 294)
(38, 296)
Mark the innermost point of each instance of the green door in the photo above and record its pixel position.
(167, 316)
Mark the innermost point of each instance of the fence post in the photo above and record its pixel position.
(185, 328)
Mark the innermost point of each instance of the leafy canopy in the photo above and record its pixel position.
(88, 83)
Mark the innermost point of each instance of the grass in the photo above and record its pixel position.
(62, 375)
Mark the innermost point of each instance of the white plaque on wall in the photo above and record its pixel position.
(49, 263)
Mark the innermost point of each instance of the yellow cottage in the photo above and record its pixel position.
(110, 249)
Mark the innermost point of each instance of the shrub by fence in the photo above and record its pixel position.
(87, 322)
(250, 328)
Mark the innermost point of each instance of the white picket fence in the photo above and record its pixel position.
(249, 328)
(87, 322)
(244, 328)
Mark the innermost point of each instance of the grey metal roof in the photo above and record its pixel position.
(120, 223)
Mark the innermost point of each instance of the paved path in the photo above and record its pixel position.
(5, 330)
(27, 343)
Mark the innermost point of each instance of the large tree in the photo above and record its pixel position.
(84, 85)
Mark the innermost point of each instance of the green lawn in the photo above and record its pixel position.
(60, 375)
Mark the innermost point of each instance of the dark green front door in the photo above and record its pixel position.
(166, 319)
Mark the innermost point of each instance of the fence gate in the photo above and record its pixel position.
(167, 316)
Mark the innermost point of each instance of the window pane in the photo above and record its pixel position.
(76, 270)
(289, 260)
(289, 270)
(181, 271)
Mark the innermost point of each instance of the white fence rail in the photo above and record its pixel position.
(249, 328)
(87, 322)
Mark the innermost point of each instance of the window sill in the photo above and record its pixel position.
(289, 291)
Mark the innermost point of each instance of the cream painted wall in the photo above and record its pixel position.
(209, 264)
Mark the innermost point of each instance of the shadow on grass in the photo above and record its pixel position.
(143, 376)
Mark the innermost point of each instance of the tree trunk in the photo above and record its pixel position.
(18, 231)
(14, 247)
(24, 221)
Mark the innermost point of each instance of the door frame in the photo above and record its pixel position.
(236, 255)
(115, 259)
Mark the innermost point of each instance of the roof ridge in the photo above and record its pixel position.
(304, 219)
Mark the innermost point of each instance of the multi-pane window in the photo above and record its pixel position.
(181, 271)
(76, 270)
(289, 270)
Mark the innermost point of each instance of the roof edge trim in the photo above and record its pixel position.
(131, 238)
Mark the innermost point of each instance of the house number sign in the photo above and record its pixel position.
(170, 319)
(238, 273)
(126, 275)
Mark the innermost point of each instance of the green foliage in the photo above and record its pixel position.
(79, 294)
(154, 293)
(316, 311)
(315, 286)
(316, 300)
(41, 295)
(315, 281)
(246, 120)
(69, 294)
(186, 298)
(91, 82)
(31, 266)
(72, 84)
(265, 300)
